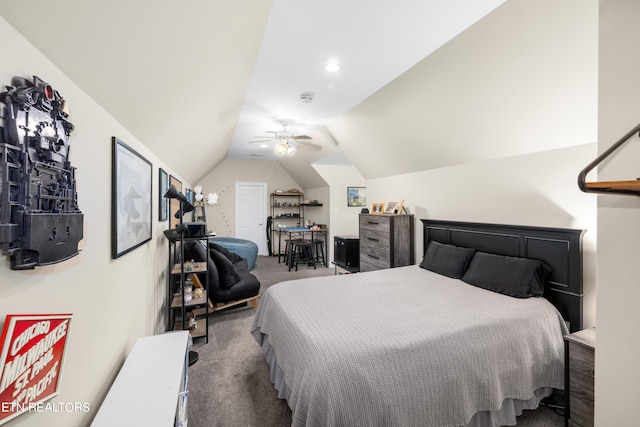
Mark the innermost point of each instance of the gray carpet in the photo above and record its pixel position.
(229, 386)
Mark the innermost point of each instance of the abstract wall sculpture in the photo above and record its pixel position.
(40, 222)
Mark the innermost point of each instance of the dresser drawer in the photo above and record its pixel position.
(377, 252)
(373, 239)
(386, 241)
(581, 412)
(580, 355)
(581, 386)
(374, 250)
(376, 223)
(581, 360)
(370, 262)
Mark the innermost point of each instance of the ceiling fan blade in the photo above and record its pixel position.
(309, 144)
(296, 137)
(261, 140)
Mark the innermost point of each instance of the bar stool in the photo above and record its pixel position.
(287, 249)
(319, 250)
(289, 245)
(302, 252)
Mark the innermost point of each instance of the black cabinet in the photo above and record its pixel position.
(346, 251)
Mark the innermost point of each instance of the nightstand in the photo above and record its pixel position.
(580, 348)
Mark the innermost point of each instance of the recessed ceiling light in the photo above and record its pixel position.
(332, 67)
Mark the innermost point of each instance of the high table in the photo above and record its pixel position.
(303, 230)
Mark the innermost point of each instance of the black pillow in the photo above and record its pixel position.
(197, 252)
(448, 260)
(227, 273)
(516, 277)
(232, 256)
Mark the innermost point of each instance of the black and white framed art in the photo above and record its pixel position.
(131, 199)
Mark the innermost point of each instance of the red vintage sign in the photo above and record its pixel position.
(31, 360)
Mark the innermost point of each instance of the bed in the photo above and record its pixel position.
(413, 347)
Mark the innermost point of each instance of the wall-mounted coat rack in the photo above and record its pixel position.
(629, 188)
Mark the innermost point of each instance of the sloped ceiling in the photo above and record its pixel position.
(521, 80)
(174, 73)
(212, 75)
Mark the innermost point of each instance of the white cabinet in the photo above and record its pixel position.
(151, 387)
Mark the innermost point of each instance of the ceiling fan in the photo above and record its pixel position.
(287, 140)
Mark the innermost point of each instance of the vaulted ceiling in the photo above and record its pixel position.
(200, 80)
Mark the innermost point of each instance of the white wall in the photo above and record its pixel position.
(319, 214)
(617, 350)
(521, 80)
(221, 217)
(536, 189)
(493, 127)
(112, 301)
(343, 219)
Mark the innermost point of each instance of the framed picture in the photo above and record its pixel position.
(163, 186)
(394, 208)
(356, 196)
(174, 205)
(391, 207)
(131, 199)
(377, 208)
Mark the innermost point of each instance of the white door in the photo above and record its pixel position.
(251, 213)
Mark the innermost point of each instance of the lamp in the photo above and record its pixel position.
(285, 148)
(201, 202)
(184, 208)
(212, 198)
(198, 193)
(173, 193)
(173, 235)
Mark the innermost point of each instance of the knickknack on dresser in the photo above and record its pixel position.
(386, 241)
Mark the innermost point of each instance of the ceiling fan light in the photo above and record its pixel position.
(280, 149)
(289, 150)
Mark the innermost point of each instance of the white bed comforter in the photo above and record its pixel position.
(406, 347)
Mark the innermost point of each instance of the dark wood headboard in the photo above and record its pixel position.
(561, 248)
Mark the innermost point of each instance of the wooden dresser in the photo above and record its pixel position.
(386, 241)
(580, 348)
